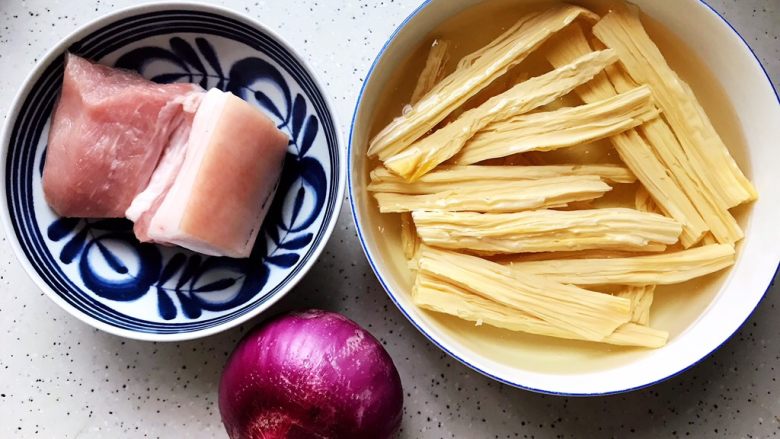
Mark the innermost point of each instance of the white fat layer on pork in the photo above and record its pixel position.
(171, 161)
(164, 226)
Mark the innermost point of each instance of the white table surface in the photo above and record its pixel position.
(60, 378)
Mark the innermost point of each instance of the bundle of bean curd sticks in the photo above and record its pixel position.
(497, 238)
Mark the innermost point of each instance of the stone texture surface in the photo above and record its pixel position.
(61, 378)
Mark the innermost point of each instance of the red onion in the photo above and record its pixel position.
(311, 374)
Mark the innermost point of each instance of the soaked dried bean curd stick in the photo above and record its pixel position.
(641, 297)
(441, 296)
(709, 157)
(547, 230)
(509, 196)
(663, 142)
(661, 269)
(452, 177)
(568, 126)
(633, 150)
(425, 154)
(474, 73)
(433, 70)
(589, 314)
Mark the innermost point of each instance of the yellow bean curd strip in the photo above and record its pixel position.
(667, 194)
(632, 334)
(500, 85)
(410, 242)
(508, 196)
(433, 70)
(661, 269)
(644, 202)
(720, 221)
(546, 230)
(641, 297)
(446, 178)
(662, 140)
(569, 126)
(588, 314)
(474, 72)
(507, 259)
(423, 155)
(614, 72)
(708, 239)
(441, 296)
(430, 75)
(633, 150)
(622, 30)
(510, 258)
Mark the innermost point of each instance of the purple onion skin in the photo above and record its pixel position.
(310, 374)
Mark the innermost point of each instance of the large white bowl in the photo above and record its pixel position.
(699, 319)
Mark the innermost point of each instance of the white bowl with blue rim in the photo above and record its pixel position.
(95, 269)
(699, 319)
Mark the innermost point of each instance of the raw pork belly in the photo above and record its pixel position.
(108, 131)
(212, 194)
(190, 168)
(146, 203)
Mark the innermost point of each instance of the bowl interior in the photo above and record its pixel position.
(696, 313)
(96, 268)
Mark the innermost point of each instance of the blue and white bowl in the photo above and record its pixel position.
(95, 269)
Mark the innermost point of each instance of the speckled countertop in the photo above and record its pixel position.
(61, 378)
